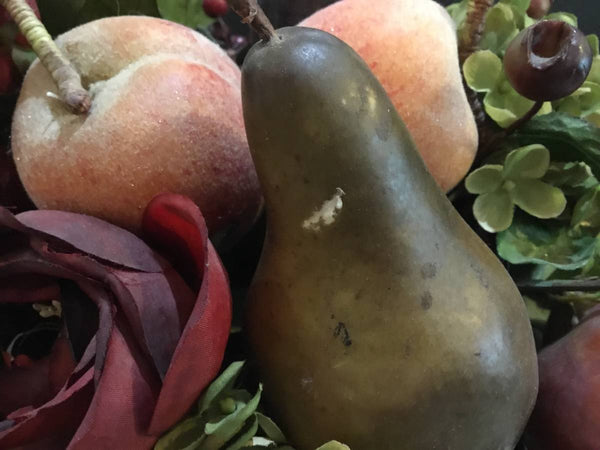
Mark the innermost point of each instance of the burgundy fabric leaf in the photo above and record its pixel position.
(87, 234)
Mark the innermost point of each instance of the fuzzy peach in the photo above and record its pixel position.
(410, 46)
(166, 116)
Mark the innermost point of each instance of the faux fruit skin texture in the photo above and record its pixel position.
(389, 323)
(567, 413)
(166, 116)
(410, 46)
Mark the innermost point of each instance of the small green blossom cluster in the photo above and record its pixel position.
(483, 70)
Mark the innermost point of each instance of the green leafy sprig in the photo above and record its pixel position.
(517, 182)
(484, 73)
(227, 418)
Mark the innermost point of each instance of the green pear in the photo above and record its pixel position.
(377, 317)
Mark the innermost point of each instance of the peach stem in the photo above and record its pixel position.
(68, 81)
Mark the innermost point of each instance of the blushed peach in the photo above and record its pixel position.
(166, 116)
(410, 46)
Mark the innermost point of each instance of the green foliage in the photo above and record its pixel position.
(550, 177)
(458, 12)
(334, 445)
(77, 12)
(568, 247)
(227, 418)
(518, 182)
(585, 101)
(484, 73)
(528, 241)
(567, 138)
(586, 213)
(186, 12)
(501, 27)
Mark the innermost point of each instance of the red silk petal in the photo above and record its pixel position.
(146, 299)
(201, 349)
(175, 224)
(177, 221)
(123, 402)
(162, 328)
(37, 383)
(91, 236)
(28, 289)
(56, 420)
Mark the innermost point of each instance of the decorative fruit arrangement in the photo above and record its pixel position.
(430, 222)
(426, 91)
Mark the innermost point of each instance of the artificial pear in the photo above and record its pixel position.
(377, 317)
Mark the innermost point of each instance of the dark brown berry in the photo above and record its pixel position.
(539, 8)
(548, 60)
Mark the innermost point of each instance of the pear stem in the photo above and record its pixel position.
(252, 14)
(68, 81)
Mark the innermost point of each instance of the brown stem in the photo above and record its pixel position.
(63, 73)
(559, 286)
(469, 38)
(252, 14)
(488, 147)
(471, 31)
(523, 120)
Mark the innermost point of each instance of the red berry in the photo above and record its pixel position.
(7, 73)
(21, 40)
(215, 8)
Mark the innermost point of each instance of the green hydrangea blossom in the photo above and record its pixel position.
(483, 72)
(585, 101)
(517, 182)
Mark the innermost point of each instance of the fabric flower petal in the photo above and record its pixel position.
(176, 220)
(120, 411)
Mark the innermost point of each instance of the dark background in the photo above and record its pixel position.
(285, 12)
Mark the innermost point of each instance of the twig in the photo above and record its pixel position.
(559, 286)
(63, 73)
(252, 14)
(488, 147)
(469, 36)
